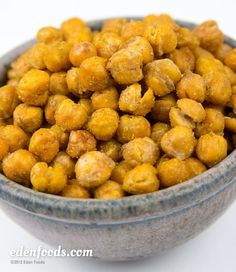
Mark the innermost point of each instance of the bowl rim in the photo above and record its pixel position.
(132, 208)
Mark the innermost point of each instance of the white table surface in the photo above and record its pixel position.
(212, 251)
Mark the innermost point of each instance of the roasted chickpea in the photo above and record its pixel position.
(48, 179)
(200, 52)
(44, 144)
(49, 34)
(132, 29)
(162, 19)
(211, 149)
(62, 136)
(93, 169)
(230, 59)
(87, 104)
(8, 101)
(120, 171)
(73, 83)
(109, 190)
(36, 56)
(17, 166)
(33, 88)
(72, 25)
(131, 127)
(158, 130)
(58, 84)
(83, 35)
(4, 149)
(206, 65)
(231, 75)
(107, 98)
(74, 190)
(178, 118)
(222, 51)
(142, 179)
(230, 124)
(114, 25)
(66, 162)
(186, 37)
(112, 149)
(195, 167)
(184, 59)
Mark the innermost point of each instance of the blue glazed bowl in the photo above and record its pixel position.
(127, 228)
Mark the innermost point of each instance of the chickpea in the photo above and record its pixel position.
(131, 127)
(231, 75)
(211, 149)
(186, 37)
(48, 179)
(200, 52)
(178, 142)
(206, 65)
(58, 84)
(8, 101)
(195, 166)
(162, 19)
(93, 169)
(33, 88)
(132, 101)
(29, 118)
(62, 136)
(72, 24)
(230, 59)
(81, 51)
(161, 76)
(56, 56)
(87, 104)
(132, 29)
(184, 59)
(73, 83)
(158, 130)
(178, 118)
(44, 144)
(120, 170)
(53, 103)
(112, 149)
(74, 190)
(4, 149)
(83, 35)
(114, 25)
(66, 162)
(222, 51)
(107, 98)
(126, 66)
(80, 142)
(142, 179)
(172, 172)
(36, 56)
(191, 86)
(49, 34)
(230, 124)
(109, 190)
(17, 166)
(14, 136)
(70, 116)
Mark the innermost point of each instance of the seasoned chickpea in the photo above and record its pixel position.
(161, 76)
(178, 142)
(178, 118)
(109, 190)
(131, 127)
(230, 59)
(158, 130)
(62, 136)
(142, 179)
(206, 65)
(93, 169)
(14, 136)
(160, 19)
(200, 52)
(29, 118)
(17, 166)
(211, 149)
(87, 104)
(33, 88)
(73, 83)
(186, 37)
(70, 116)
(114, 25)
(83, 35)
(53, 103)
(103, 123)
(231, 75)
(66, 162)
(49, 34)
(48, 179)
(230, 124)
(72, 25)
(44, 144)
(4, 149)
(58, 84)
(173, 171)
(184, 59)
(141, 150)
(8, 101)
(191, 86)
(36, 56)
(195, 166)
(80, 142)
(222, 51)
(120, 171)
(112, 149)
(132, 101)
(74, 190)
(126, 66)
(107, 98)
(132, 29)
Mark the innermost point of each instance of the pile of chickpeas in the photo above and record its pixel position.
(136, 107)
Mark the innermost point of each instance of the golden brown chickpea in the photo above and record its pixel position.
(142, 179)
(4, 149)
(93, 75)
(29, 118)
(178, 142)
(44, 144)
(107, 98)
(15, 137)
(72, 25)
(48, 179)
(206, 65)
(73, 83)
(132, 29)
(186, 37)
(62, 136)
(162, 19)
(36, 56)
(184, 59)
(109, 190)
(66, 162)
(93, 169)
(209, 35)
(70, 116)
(17, 166)
(178, 169)
(191, 86)
(158, 130)
(53, 103)
(211, 149)
(81, 51)
(231, 75)
(58, 84)
(56, 56)
(131, 127)
(80, 142)
(199, 52)
(230, 59)
(161, 76)
(49, 34)
(141, 150)
(132, 101)
(83, 35)
(195, 167)
(178, 118)
(222, 51)
(112, 149)
(103, 123)
(87, 104)
(33, 88)
(120, 171)
(230, 124)
(74, 190)
(8, 101)
(114, 25)
(126, 66)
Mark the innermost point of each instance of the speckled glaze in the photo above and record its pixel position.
(128, 228)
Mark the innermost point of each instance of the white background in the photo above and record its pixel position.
(212, 251)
